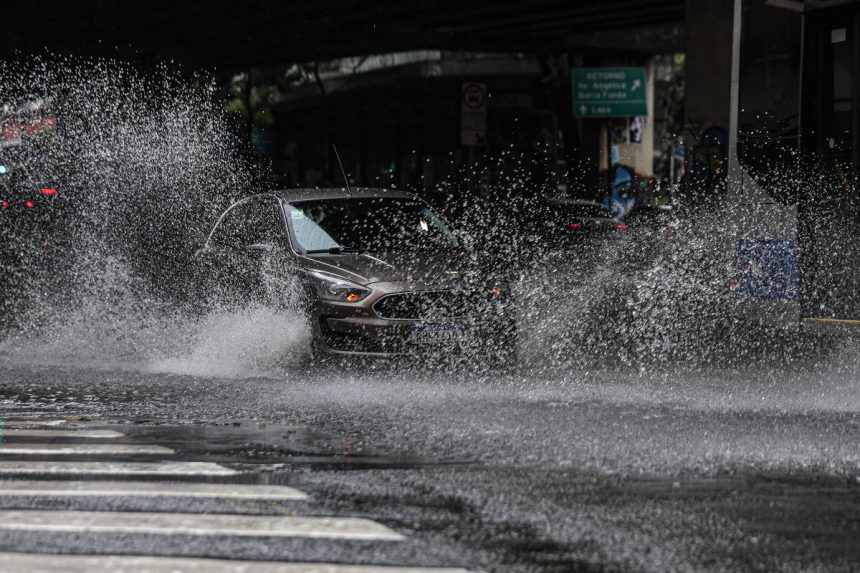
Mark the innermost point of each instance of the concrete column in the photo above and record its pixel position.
(709, 30)
(640, 156)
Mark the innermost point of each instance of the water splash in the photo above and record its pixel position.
(143, 162)
(255, 342)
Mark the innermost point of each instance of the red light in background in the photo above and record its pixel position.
(49, 191)
(622, 228)
(574, 225)
(5, 204)
(28, 204)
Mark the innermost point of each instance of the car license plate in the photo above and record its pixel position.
(440, 334)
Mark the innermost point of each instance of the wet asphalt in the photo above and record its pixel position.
(584, 470)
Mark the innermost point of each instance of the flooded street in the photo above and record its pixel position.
(753, 470)
(226, 349)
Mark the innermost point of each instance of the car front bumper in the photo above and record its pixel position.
(357, 329)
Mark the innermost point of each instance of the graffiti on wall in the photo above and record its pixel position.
(629, 189)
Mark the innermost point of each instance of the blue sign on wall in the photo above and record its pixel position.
(766, 269)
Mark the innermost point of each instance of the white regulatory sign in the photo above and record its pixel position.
(473, 114)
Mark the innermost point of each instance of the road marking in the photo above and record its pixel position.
(848, 321)
(27, 563)
(148, 489)
(115, 468)
(29, 423)
(25, 433)
(80, 449)
(196, 524)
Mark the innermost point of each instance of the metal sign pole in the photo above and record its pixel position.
(735, 174)
(608, 164)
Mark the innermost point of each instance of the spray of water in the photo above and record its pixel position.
(662, 296)
(143, 162)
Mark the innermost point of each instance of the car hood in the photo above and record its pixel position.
(366, 268)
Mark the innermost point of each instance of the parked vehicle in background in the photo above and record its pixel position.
(581, 219)
(652, 222)
(561, 231)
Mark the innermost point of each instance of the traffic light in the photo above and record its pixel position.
(3, 169)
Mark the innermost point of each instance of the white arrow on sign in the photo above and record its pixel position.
(582, 109)
(636, 84)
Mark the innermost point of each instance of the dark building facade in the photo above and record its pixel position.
(401, 124)
(773, 133)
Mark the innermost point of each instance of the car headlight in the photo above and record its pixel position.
(332, 287)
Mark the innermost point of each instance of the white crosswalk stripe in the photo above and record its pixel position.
(4, 423)
(208, 528)
(30, 433)
(115, 468)
(196, 524)
(148, 489)
(30, 563)
(80, 449)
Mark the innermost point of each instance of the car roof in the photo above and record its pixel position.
(655, 208)
(578, 204)
(571, 202)
(651, 211)
(305, 194)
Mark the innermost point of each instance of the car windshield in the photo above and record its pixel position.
(376, 224)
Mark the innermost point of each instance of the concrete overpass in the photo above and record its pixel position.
(236, 34)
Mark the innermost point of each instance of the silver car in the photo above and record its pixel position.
(380, 273)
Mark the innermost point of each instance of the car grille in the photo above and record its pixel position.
(430, 305)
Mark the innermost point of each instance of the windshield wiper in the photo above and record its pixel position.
(339, 250)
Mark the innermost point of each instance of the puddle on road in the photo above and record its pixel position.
(248, 446)
(259, 447)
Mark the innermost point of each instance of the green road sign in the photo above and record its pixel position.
(609, 92)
